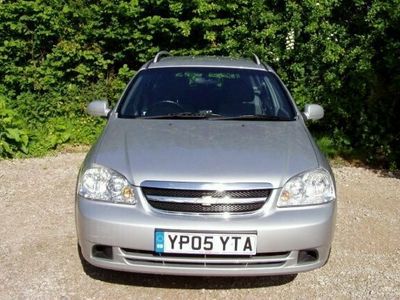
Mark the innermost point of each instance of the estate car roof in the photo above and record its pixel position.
(204, 61)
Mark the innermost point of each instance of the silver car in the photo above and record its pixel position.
(206, 167)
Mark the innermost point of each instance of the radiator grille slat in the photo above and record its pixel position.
(199, 208)
(260, 193)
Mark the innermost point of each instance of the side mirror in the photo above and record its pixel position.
(98, 108)
(313, 112)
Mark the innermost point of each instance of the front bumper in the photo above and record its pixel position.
(281, 233)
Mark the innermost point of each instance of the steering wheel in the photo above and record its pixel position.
(164, 107)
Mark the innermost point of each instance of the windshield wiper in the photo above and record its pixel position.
(255, 118)
(212, 116)
(183, 115)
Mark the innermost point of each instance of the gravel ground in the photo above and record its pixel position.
(38, 255)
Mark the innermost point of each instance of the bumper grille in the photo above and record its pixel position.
(206, 201)
(260, 260)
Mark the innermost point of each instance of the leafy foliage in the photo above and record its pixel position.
(13, 137)
(56, 56)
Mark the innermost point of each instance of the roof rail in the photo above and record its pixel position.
(159, 54)
(256, 59)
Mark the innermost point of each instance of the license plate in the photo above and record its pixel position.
(205, 243)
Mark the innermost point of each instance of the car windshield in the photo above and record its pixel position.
(206, 93)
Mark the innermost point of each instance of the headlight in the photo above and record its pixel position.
(100, 183)
(308, 188)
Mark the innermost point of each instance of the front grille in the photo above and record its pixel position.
(261, 193)
(260, 260)
(200, 208)
(206, 201)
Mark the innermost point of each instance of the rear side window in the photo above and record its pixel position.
(223, 91)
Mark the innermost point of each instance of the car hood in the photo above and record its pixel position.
(213, 151)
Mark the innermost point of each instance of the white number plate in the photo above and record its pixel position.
(204, 243)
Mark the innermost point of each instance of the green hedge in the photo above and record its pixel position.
(56, 56)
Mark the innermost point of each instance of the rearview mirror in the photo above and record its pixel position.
(98, 108)
(313, 112)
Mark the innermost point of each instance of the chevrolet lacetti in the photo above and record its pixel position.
(205, 167)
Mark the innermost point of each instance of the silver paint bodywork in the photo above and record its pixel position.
(200, 154)
(205, 150)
